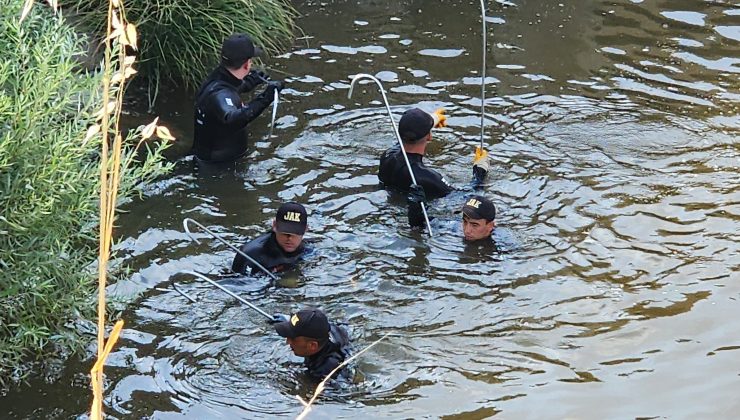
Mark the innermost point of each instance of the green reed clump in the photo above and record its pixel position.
(49, 184)
(180, 40)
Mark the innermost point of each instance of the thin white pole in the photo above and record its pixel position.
(395, 130)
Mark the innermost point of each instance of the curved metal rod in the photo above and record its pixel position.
(223, 241)
(230, 293)
(483, 76)
(395, 131)
(275, 101)
(180, 292)
(185, 295)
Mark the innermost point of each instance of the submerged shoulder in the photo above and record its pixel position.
(256, 244)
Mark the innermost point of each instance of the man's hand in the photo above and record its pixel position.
(275, 85)
(279, 84)
(279, 318)
(481, 164)
(253, 79)
(417, 194)
(256, 77)
(440, 119)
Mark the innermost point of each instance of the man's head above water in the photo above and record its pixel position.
(306, 331)
(478, 218)
(290, 224)
(415, 127)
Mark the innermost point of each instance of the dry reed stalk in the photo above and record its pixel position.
(121, 37)
(119, 31)
(322, 385)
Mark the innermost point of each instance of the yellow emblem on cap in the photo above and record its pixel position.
(292, 216)
(473, 203)
(294, 320)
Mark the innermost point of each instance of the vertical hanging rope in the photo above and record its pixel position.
(483, 75)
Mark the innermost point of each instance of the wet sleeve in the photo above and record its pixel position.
(250, 82)
(240, 264)
(434, 185)
(322, 371)
(416, 215)
(226, 108)
(479, 177)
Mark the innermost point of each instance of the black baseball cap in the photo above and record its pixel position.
(309, 322)
(237, 48)
(414, 125)
(291, 218)
(479, 207)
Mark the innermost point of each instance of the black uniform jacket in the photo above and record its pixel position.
(266, 251)
(394, 174)
(416, 214)
(221, 118)
(336, 350)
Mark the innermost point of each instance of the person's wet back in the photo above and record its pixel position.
(221, 117)
(281, 248)
(323, 345)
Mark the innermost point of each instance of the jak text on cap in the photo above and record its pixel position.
(291, 218)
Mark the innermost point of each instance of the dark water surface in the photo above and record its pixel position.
(613, 130)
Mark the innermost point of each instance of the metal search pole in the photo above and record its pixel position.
(483, 76)
(395, 131)
(230, 293)
(225, 242)
(275, 100)
(180, 292)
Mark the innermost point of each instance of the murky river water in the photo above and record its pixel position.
(615, 293)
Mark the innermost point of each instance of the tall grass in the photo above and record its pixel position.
(180, 40)
(49, 185)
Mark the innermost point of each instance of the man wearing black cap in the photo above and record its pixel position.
(323, 346)
(281, 248)
(220, 116)
(415, 130)
(478, 217)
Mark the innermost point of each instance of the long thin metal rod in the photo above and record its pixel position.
(395, 131)
(483, 76)
(230, 293)
(180, 292)
(223, 241)
(274, 112)
(275, 100)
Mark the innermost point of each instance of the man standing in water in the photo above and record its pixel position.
(221, 118)
(323, 346)
(478, 216)
(281, 248)
(415, 129)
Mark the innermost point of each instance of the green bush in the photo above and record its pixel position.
(180, 40)
(49, 186)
